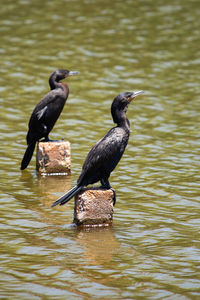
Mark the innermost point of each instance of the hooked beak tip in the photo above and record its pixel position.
(73, 73)
(135, 94)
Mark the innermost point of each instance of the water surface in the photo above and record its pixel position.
(153, 249)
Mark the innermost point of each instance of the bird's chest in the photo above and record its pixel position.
(120, 138)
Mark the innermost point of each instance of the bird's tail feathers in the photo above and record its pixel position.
(68, 196)
(27, 155)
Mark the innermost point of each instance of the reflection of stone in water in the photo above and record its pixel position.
(99, 243)
(51, 186)
(54, 183)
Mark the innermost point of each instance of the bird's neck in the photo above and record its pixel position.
(124, 124)
(121, 120)
(55, 84)
(58, 85)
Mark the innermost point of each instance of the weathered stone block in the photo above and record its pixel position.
(53, 157)
(94, 206)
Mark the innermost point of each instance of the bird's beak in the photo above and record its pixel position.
(135, 94)
(72, 73)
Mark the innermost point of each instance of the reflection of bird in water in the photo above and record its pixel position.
(46, 112)
(106, 153)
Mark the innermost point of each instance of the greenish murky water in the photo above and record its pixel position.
(153, 249)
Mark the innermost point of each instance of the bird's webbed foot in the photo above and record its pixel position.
(46, 139)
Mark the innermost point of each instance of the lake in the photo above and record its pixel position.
(152, 251)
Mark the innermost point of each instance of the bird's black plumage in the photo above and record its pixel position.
(46, 113)
(106, 153)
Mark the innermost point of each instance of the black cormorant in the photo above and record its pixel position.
(46, 113)
(107, 152)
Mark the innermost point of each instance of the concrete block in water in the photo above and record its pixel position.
(53, 157)
(94, 206)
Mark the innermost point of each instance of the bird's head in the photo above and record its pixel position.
(121, 102)
(58, 75)
(61, 74)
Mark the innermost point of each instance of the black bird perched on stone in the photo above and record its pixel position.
(46, 113)
(107, 152)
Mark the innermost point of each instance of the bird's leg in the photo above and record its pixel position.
(44, 132)
(47, 139)
(106, 185)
